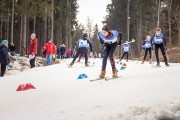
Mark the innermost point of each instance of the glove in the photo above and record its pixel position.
(152, 48)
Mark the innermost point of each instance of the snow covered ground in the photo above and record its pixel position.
(142, 93)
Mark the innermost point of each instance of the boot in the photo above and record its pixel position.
(150, 61)
(114, 73)
(142, 62)
(86, 64)
(71, 64)
(103, 73)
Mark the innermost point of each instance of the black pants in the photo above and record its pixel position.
(32, 62)
(3, 69)
(125, 53)
(82, 51)
(157, 46)
(109, 52)
(146, 51)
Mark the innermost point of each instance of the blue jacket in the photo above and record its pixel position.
(147, 44)
(4, 57)
(126, 47)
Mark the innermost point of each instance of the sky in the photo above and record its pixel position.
(94, 9)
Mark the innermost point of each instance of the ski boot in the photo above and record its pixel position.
(86, 65)
(150, 61)
(103, 73)
(114, 73)
(158, 65)
(71, 64)
(142, 62)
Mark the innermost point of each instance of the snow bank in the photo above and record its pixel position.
(142, 93)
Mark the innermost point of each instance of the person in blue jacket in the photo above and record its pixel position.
(147, 45)
(109, 39)
(82, 49)
(126, 49)
(4, 57)
(159, 42)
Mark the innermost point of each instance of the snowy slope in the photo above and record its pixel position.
(142, 93)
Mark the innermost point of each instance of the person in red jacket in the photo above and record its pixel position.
(50, 51)
(33, 49)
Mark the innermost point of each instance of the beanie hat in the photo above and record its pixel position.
(85, 35)
(106, 28)
(5, 42)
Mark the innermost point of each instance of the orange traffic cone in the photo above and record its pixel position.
(124, 65)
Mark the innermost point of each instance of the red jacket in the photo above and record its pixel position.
(33, 46)
(50, 48)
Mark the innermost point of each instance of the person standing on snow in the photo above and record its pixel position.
(50, 51)
(159, 42)
(33, 49)
(4, 57)
(82, 49)
(148, 47)
(109, 39)
(126, 48)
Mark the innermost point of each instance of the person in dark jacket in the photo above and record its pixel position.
(12, 49)
(4, 57)
(159, 42)
(83, 50)
(59, 52)
(63, 50)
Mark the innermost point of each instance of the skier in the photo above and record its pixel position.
(126, 48)
(147, 46)
(33, 49)
(83, 50)
(159, 41)
(4, 57)
(108, 39)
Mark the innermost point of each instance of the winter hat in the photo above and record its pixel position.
(106, 28)
(85, 35)
(5, 42)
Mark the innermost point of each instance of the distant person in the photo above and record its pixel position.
(82, 43)
(33, 49)
(12, 49)
(50, 51)
(159, 42)
(4, 57)
(59, 52)
(126, 49)
(63, 50)
(148, 48)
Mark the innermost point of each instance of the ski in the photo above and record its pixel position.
(97, 79)
(88, 66)
(113, 78)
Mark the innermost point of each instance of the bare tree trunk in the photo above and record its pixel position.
(52, 20)
(21, 35)
(34, 25)
(45, 29)
(169, 22)
(24, 33)
(140, 32)
(12, 22)
(8, 24)
(128, 19)
(2, 16)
